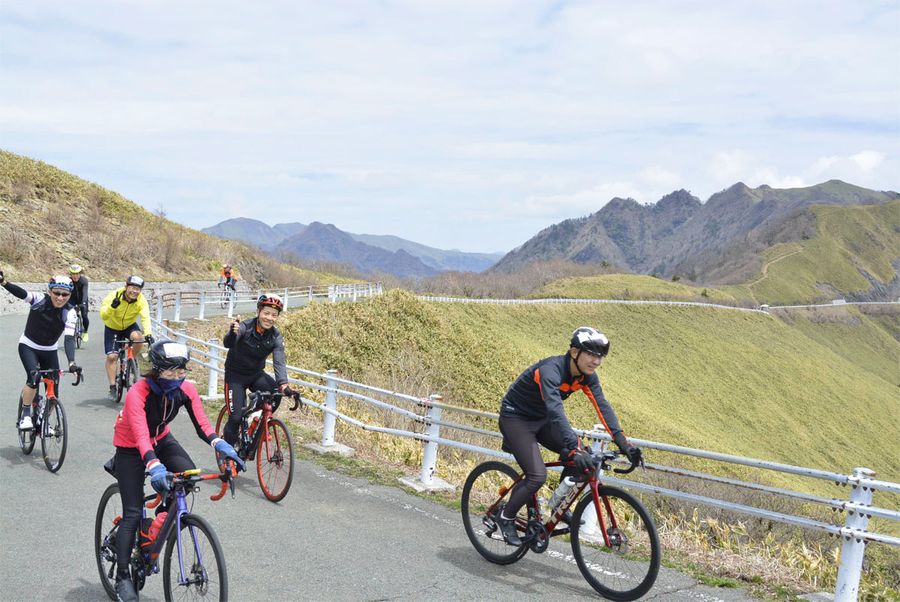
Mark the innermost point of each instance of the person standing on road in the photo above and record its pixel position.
(79, 299)
(531, 413)
(119, 311)
(249, 343)
(50, 316)
(144, 444)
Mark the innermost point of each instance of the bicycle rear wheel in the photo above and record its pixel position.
(105, 530)
(200, 554)
(484, 495)
(26, 438)
(626, 568)
(55, 435)
(275, 460)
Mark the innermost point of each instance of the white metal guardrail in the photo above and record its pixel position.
(227, 300)
(429, 412)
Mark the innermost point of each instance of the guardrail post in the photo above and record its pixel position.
(427, 481)
(159, 317)
(853, 549)
(328, 444)
(202, 315)
(212, 389)
(286, 298)
(178, 306)
(331, 404)
(310, 293)
(432, 429)
(231, 294)
(331, 293)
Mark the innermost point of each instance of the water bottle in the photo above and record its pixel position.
(561, 492)
(156, 525)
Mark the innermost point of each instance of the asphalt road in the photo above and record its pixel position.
(332, 538)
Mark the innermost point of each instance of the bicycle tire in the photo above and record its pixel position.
(104, 553)
(26, 438)
(131, 373)
(54, 435)
(275, 460)
(221, 420)
(479, 495)
(627, 569)
(198, 543)
(120, 383)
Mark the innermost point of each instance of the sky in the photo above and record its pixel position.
(456, 124)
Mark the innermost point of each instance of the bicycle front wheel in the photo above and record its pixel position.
(484, 495)
(26, 438)
(626, 567)
(275, 460)
(131, 373)
(221, 420)
(197, 570)
(55, 435)
(106, 527)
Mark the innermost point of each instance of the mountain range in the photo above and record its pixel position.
(366, 253)
(716, 242)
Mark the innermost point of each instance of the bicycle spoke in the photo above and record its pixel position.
(485, 493)
(624, 564)
(54, 437)
(275, 460)
(194, 564)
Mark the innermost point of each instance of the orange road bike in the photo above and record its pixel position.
(126, 366)
(49, 419)
(266, 438)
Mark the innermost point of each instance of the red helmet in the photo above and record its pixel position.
(269, 300)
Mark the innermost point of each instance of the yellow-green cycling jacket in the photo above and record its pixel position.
(120, 318)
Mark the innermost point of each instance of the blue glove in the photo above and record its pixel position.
(160, 478)
(224, 449)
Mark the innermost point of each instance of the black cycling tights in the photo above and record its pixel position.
(236, 396)
(521, 438)
(36, 359)
(130, 474)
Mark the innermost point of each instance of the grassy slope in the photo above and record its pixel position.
(96, 228)
(629, 286)
(849, 239)
(733, 382)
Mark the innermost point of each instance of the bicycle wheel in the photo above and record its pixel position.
(221, 420)
(79, 333)
(201, 557)
(275, 460)
(480, 503)
(55, 435)
(26, 438)
(625, 569)
(120, 382)
(105, 530)
(131, 373)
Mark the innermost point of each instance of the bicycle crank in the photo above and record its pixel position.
(538, 537)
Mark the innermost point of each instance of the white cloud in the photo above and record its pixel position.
(502, 110)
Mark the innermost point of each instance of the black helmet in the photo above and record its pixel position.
(590, 340)
(166, 354)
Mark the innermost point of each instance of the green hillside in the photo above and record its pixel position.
(848, 241)
(814, 393)
(112, 236)
(630, 286)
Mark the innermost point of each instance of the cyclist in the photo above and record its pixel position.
(50, 317)
(79, 299)
(249, 343)
(144, 444)
(228, 276)
(119, 312)
(531, 412)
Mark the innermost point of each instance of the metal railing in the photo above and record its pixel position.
(228, 300)
(429, 414)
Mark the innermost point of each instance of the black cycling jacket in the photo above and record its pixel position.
(249, 348)
(80, 292)
(540, 390)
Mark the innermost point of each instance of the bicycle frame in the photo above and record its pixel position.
(173, 521)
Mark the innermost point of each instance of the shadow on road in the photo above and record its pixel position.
(524, 576)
